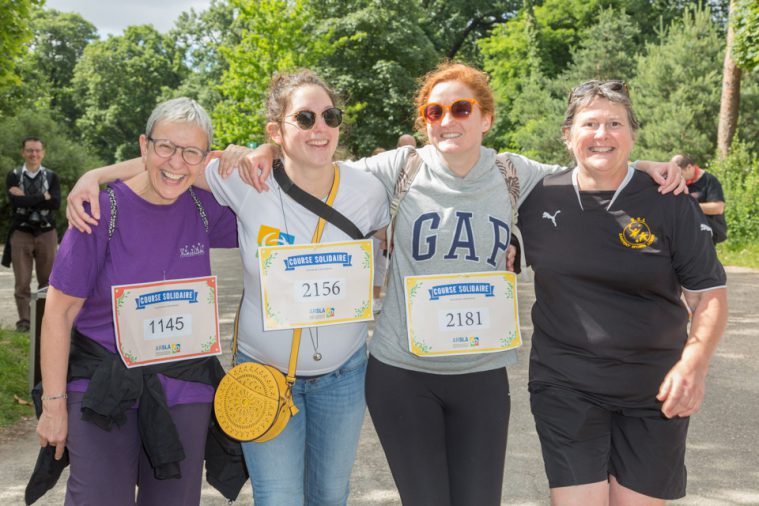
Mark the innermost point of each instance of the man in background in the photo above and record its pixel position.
(34, 193)
(707, 190)
(406, 140)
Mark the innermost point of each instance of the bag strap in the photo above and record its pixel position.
(114, 209)
(509, 172)
(200, 208)
(402, 185)
(290, 378)
(315, 205)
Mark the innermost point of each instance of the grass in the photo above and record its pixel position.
(741, 255)
(14, 365)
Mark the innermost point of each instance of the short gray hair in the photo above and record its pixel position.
(181, 110)
(612, 90)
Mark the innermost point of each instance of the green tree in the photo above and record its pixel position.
(118, 82)
(380, 51)
(677, 89)
(58, 44)
(275, 36)
(746, 50)
(198, 36)
(16, 31)
(742, 52)
(455, 26)
(560, 26)
(604, 52)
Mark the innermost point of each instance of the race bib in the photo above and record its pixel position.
(458, 314)
(308, 285)
(166, 321)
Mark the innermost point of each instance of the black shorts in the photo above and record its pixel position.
(585, 441)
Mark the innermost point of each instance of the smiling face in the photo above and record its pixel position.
(33, 153)
(168, 178)
(458, 140)
(601, 138)
(312, 148)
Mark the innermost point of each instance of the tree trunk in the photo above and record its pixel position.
(731, 94)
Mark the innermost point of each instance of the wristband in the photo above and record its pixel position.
(64, 395)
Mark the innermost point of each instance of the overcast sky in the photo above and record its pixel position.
(112, 16)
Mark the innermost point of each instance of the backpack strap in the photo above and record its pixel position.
(509, 172)
(402, 185)
(200, 208)
(114, 210)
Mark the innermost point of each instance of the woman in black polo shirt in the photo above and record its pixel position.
(614, 370)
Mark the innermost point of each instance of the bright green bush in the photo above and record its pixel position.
(739, 175)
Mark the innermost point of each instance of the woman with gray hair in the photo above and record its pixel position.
(141, 427)
(615, 371)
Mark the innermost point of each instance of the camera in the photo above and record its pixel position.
(35, 218)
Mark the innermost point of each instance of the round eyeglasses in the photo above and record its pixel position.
(166, 149)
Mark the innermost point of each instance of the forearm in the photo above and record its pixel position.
(120, 170)
(707, 326)
(27, 201)
(60, 312)
(712, 208)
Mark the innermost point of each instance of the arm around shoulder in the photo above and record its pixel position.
(87, 188)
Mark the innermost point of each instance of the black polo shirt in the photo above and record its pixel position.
(609, 269)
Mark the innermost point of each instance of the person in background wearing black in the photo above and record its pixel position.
(34, 193)
(707, 190)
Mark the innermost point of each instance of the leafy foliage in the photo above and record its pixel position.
(455, 26)
(199, 37)
(746, 24)
(739, 175)
(272, 39)
(379, 52)
(58, 44)
(677, 89)
(16, 31)
(118, 82)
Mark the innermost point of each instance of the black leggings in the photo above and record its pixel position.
(444, 435)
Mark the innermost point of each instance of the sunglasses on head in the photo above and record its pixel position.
(613, 85)
(306, 120)
(459, 109)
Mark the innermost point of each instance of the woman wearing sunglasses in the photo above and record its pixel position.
(310, 462)
(443, 420)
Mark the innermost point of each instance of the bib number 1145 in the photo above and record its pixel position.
(167, 326)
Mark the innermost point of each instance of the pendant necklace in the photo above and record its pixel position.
(314, 343)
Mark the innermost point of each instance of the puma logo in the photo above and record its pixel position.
(551, 217)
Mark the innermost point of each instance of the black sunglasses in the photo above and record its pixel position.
(306, 120)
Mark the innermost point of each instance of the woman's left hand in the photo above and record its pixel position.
(669, 177)
(246, 161)
(682, 390)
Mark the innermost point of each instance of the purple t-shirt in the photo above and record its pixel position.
(150, 243)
